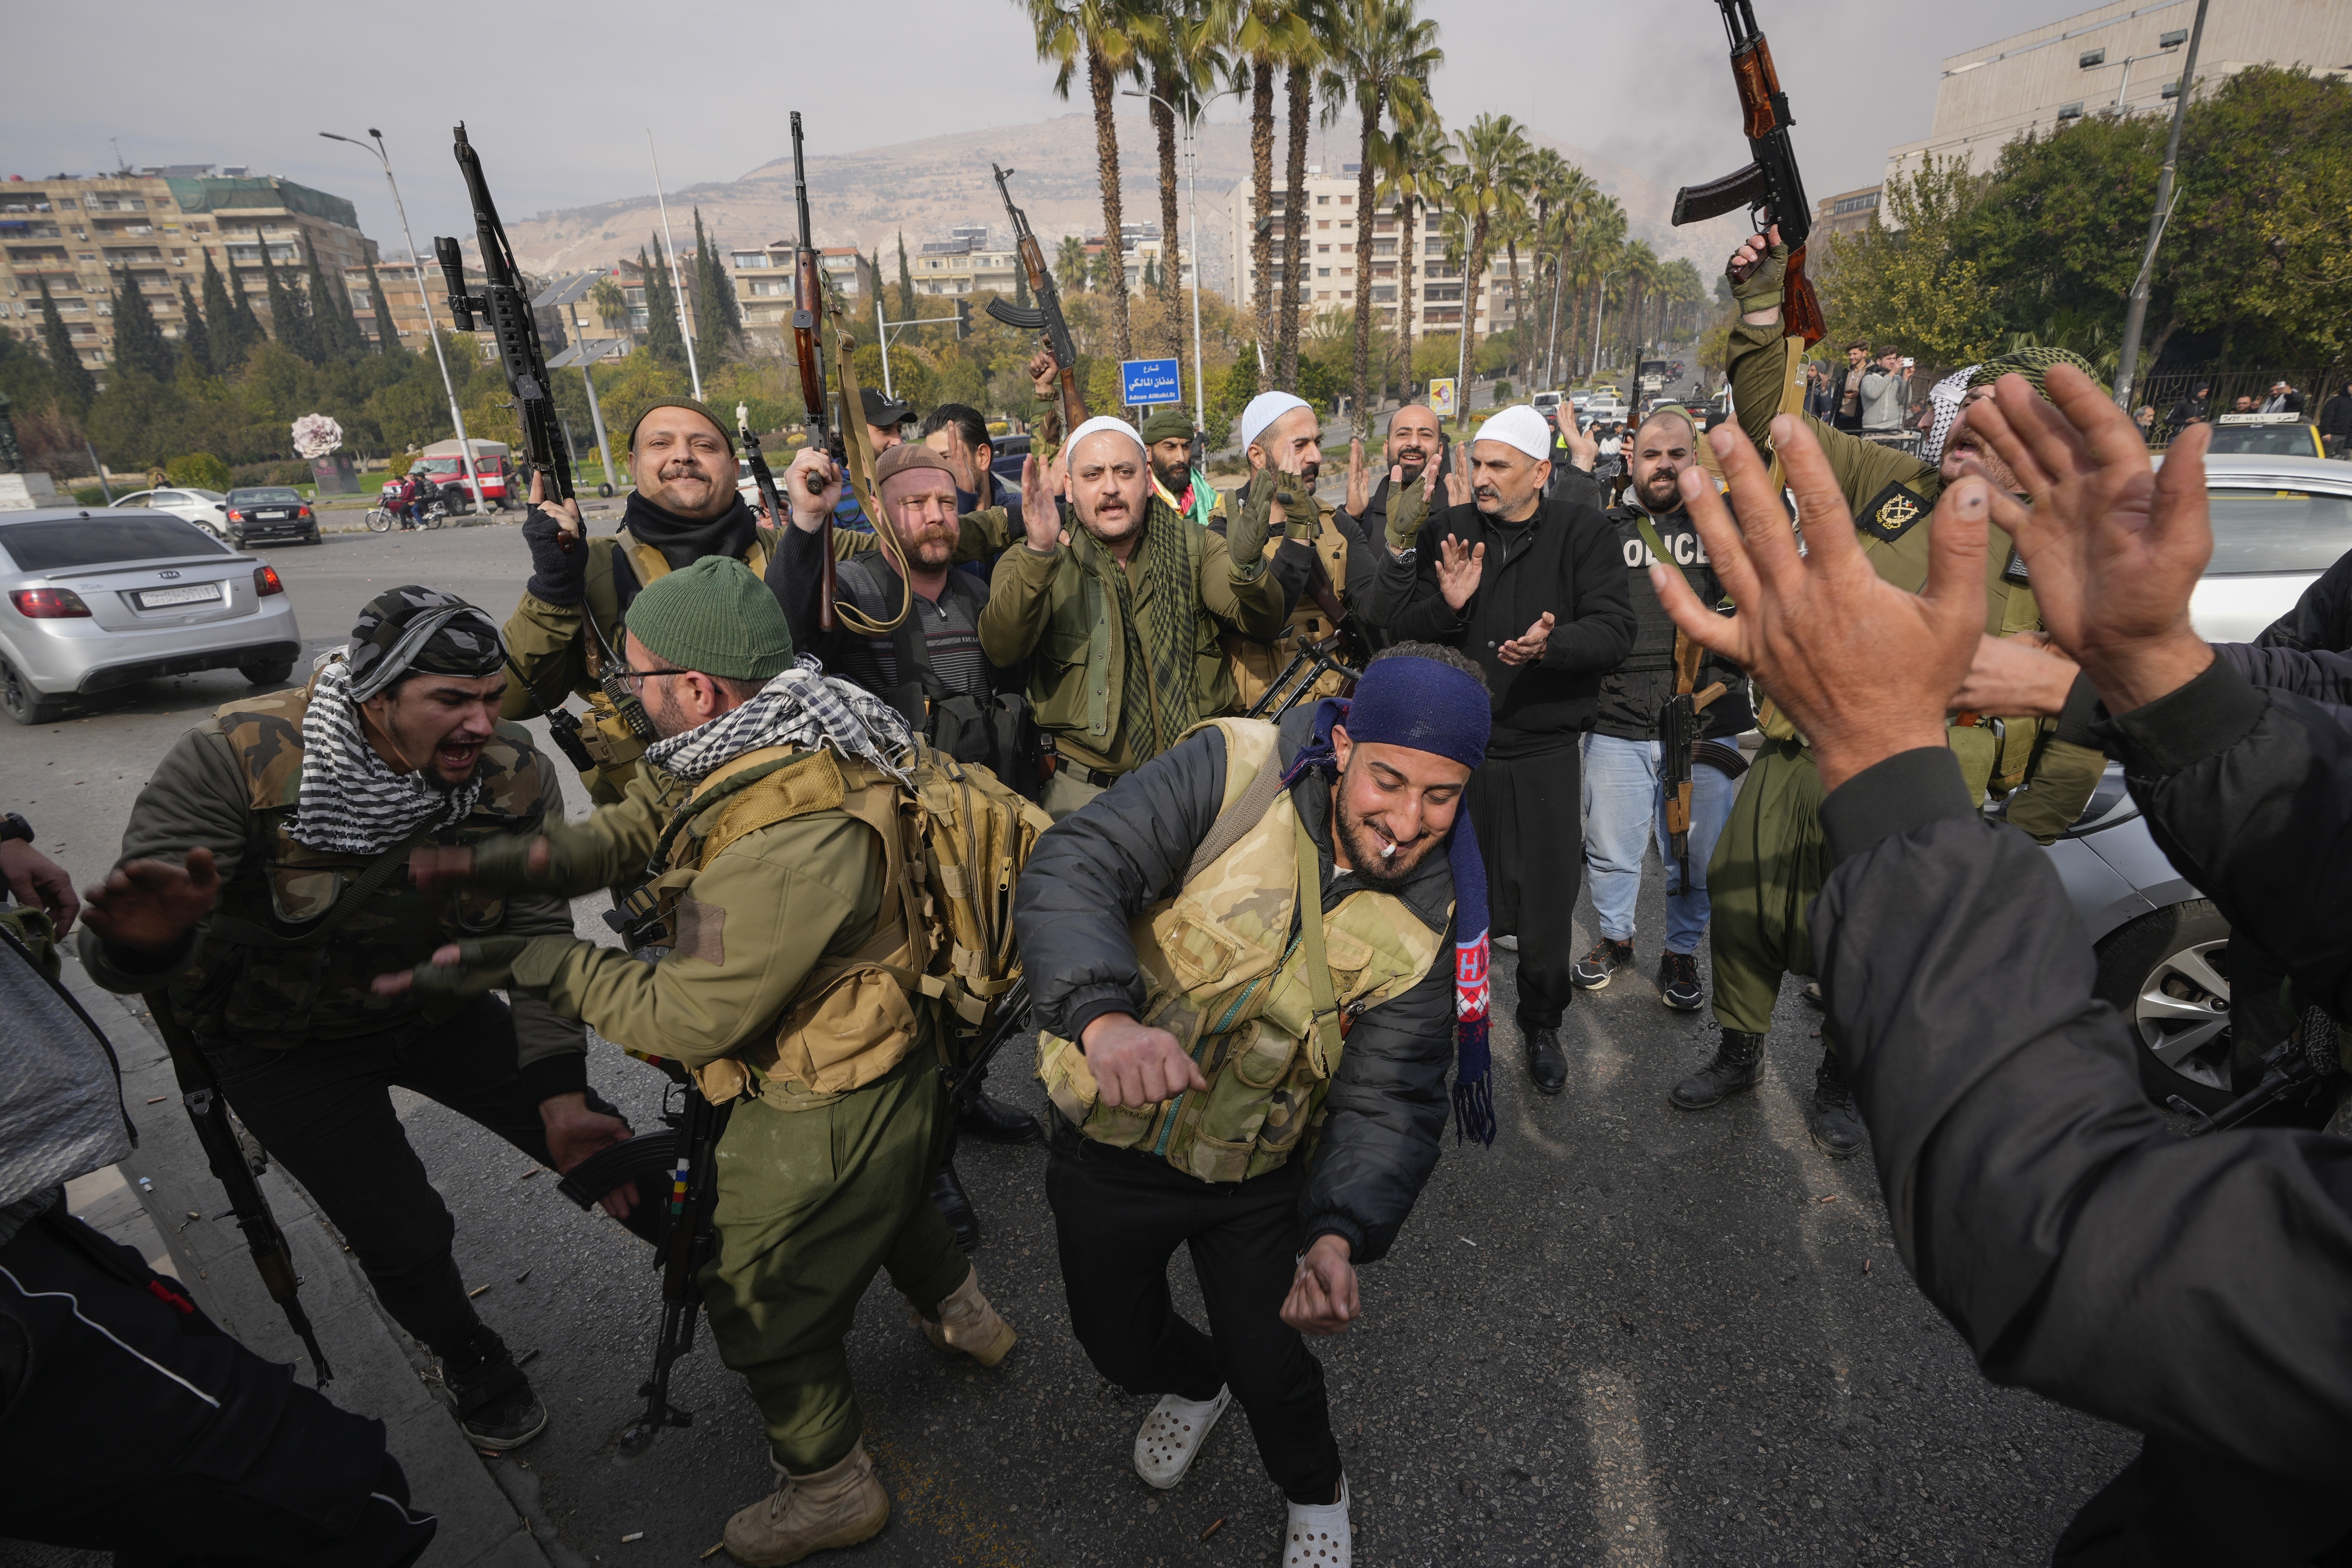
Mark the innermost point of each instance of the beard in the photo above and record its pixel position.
(933, 547)
(1175, 476)
(1665, 478)
(1363, 844)
(1414, 462)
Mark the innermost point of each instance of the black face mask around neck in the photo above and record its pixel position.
(682, 541)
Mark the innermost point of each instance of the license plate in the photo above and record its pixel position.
(190, 594)
(273, 516)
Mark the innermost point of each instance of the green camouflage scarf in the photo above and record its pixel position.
(1156, 698)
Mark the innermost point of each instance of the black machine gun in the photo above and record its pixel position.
(238, 1168)
(761, 475)
(1046, 317)
(808, 348)
(506, 306)
(1769, 187)
(2306, 1060)
(1320, 659)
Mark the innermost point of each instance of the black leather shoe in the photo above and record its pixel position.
(1738, 1063)
(947, 1195)
(1836, 1127)
(1544, 1063)
(992, 1121)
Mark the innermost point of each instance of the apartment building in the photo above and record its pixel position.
(964, 263)
(1328, 219)
(2118, 59)
(153, 228)
(763, 287)
(1847, 212)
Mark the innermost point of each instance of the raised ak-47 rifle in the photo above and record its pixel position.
(506, 306)
(1046, 317)
(808, 347)
(1768, 187)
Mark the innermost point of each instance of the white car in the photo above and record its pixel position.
(208, 510)
(1606, 408)
(2278, 523)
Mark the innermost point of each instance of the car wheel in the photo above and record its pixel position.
(312, 537)
(22, 701)
(236, 539)
(276, 673)
(2168, 973)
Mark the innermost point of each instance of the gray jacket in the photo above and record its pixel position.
(61, 1111)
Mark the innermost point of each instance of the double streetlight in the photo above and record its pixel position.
(1192, 188)
(424, 300)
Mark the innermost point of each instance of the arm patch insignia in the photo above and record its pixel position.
(1893, 512)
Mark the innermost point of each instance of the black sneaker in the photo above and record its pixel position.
(1594, 971)
(1678, 981)
(495, 1406)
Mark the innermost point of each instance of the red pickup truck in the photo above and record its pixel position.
(451, 471)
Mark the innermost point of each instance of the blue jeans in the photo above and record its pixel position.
(1623, 808)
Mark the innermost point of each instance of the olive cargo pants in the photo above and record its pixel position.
(811, 1202)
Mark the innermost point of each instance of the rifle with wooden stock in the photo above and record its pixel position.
(1046, 317)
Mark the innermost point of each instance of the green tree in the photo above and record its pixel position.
(76, 386)
(1070, 264)
(611, 304)
(663, 339)
(1910, 287)
(1262, 35)
(195, 339)
(134, 422)
(289, 317)
(337, 330)
(199, 471)
(906, 279)
(139, 343)
(387, 331)
(1107, 40)
(718, 323)
(1383, 52)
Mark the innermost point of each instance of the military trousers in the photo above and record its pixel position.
(812, 1201)
(1065, 793)
(1769, 866)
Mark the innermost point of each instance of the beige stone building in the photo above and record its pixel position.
(85, 236)
(2123, 57)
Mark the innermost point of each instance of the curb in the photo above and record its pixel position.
(181, 1209)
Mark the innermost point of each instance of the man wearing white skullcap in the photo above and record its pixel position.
(1119, 609)
(1310, 550)
(1532, 585)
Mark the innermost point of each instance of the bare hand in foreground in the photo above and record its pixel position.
(1530, 645)
(812, 489)
(1863, 668)
(2115, 547)
(575, 1132)
(39, 882)
(1137, 1066)
(148, 905)
(1323, 1298)
(1041, 516)
(2014, 675)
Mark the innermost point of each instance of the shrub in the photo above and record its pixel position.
(399, 464)
(198, 470)
(1502, 392)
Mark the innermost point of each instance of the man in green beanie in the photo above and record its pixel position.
(1167, 437)
(1773, 856)
(788, 919)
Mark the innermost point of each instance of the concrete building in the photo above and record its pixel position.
(1327, 220)
(153, 228)
(1846, 212)
(2123, 57)
(763, 287)
(965, 263)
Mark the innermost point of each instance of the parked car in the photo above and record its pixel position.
(91, 600)
(268, 512)
(1005, 454)
(1606, 408)
(450, 473)
(2267, 434)
(2163, 948)
(1548, 404)
(208, 510)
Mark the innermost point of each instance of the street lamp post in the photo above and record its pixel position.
(1601, 314)
(2136, 313)
(676, 290)
(1193, 188)
(424, 300)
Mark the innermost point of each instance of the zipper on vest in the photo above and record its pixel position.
(1168, 1120)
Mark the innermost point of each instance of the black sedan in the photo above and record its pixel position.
(269, 512)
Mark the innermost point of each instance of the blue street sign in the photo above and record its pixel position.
(1144, 382)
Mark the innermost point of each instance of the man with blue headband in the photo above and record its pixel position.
(1252, 961)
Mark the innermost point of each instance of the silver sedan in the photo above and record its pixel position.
(91, 600)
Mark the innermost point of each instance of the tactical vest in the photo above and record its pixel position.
(263, 972)
(1258, 665)
(611, 744)
(1226, 974)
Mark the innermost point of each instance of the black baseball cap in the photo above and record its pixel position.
(883, 411)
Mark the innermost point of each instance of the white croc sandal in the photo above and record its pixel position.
(1318, 1535)
(1172, 1435)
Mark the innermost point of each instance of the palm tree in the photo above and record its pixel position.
(1589, 264)
(1107, 40)
(1413, 172)
(1261, 35)
(1182, 54)
(1070, 263)
(1303, 65)
(611, 305)
(1482, 193)
(1384, 54)
(1561, 193)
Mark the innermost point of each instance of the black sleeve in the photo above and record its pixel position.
(1293, 567)
(1100, 867)
(2248, 790)
(1406, 600)
(2321, 619)
(1597, 631)
(1387, 1108)
(796, 575)
(2191, 1289)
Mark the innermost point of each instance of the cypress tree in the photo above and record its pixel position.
(139, 343)
(715, 320)
(249, 335)
(223, 343)
(906, 279)
(663, 340)
(288, 315)
(331, 310)
(387, 333)
(76, 386)
(195, 337)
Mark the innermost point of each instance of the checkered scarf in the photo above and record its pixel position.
(352, 803)
(804, 707)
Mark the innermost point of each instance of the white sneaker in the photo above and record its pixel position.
(1172, 1435)
(1507, 944)
(1318, 1535)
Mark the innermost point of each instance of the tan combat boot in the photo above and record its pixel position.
(968, 1323)
(836, 1507)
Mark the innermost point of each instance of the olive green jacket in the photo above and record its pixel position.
(1063, 608)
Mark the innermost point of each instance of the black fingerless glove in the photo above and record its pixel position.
(558, 576)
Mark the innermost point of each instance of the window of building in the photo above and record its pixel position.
(753, 259)
(1322, 293)
(1441, 291)
(109, 203)
(1322, 201)
(1384, 291)
(1450, 316)
(1346, 201)
(1384, 247)
(1322, 222)
(1322, 272)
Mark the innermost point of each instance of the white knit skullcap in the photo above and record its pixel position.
(1095, 427)
(1263, 410)
(1519, 426)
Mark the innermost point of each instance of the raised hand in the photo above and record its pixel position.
(148, 905)
(1457, 481)
(1045, 370)
(1583, 451)
(2115, 546)
(1459, 568)
(1041, 515)
(1360, 481)
(1530, 645)
(566, 512)
(1137, 1066)
(1863, 668)
(812, 489)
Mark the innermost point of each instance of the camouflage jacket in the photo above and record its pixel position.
(231, 785)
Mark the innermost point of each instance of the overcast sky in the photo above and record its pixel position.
(250, 84)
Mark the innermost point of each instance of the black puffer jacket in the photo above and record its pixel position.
(1101, 867)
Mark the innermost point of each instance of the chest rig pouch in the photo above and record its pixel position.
(1256, 980)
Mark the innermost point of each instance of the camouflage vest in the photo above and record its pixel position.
(253, 977)
(1258, 665)
(1225, 972)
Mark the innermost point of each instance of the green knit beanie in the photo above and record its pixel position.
(714, 616)
(724, 429)
(1171, 424)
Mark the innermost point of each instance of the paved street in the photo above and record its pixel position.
(1622, 1335)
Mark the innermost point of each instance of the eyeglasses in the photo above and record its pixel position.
(646, 674)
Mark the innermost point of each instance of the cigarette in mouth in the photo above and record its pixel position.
(1387, 852)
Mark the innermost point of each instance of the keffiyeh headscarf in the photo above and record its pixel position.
(1945, 397)
(802, 706)
(351, 800)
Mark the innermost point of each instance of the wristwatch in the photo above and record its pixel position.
(14, 825)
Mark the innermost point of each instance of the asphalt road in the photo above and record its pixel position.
(1622, 1335)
